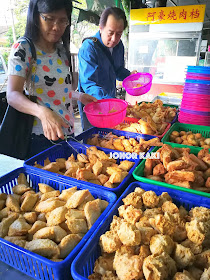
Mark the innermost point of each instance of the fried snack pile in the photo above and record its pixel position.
(155, 110)
(95, 167)
(154, 118)
(153, 239)
(190, 138)
(177, 166)
(120, 143)
(48, 223)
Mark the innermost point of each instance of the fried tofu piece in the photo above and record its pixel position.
(12, 204)
(77, 225)
(57, 216)
(37, 226)
(195, 248)
(130, 214)
(162, 225)
(150, 213)
(4, 213)
(202, 165)
(30, 217)
(180, 175)
(43, 188)
(59, 234)
(150, 199)
(66, 194)
(103, 178)
(129, 235)
(5, 224)
(163, 198)
(29, 202)
(50, 194)
(104, 264)
(161, 243)
(127, 267)
(202, 260)
(97, 167)
(110, 242)
(159, 267)
(52, 167)
(133, 199)
(44, 233)
(77, 198)
(200, 213)
(85, 175)
(170, 207)
(82, 158)
(92, 212)
(49, 205)
(22, 180)
(115, 224)
(75, 214)
(196, 231)
(117, 177)
(109, 185)
(20, 189)
(183, 256)
(146, 233)
(126, 165)
(67, 244)
(41, 217)
(44, 247)
(117, 143)
(19, 227)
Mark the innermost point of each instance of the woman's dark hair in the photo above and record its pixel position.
(116, 12)
(47, 6)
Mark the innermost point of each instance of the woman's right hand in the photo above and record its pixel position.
(52, 124)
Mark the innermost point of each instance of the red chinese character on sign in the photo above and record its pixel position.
(161, 15)
(172, 15)
(183, 14)
(195, 14)
(151, 16)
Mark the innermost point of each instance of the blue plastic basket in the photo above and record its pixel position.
(33, 264)
(83, 264)
(104, 131)
(64, 151)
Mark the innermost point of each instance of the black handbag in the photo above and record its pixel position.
(16, 127)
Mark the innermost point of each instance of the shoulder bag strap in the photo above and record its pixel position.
(30, 84)
(104, 49)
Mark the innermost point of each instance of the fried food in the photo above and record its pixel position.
(92, 212)
(57, 216)
(160, 244)
(67, 244)
(44, 247)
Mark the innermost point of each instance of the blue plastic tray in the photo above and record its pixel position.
(104, 131)
(33, 264)
(83, 264)
(64, 151)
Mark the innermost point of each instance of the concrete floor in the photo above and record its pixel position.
(8, 164)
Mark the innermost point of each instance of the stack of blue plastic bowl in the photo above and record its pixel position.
(195, 105)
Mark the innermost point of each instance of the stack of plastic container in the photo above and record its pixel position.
(195, 105)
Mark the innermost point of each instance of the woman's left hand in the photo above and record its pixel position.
(86, 98)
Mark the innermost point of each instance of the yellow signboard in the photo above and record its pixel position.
(163, 15)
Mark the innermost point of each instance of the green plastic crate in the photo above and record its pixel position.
(138, 173)
(204, 130)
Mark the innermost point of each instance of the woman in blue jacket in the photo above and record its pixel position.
(101, 59)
